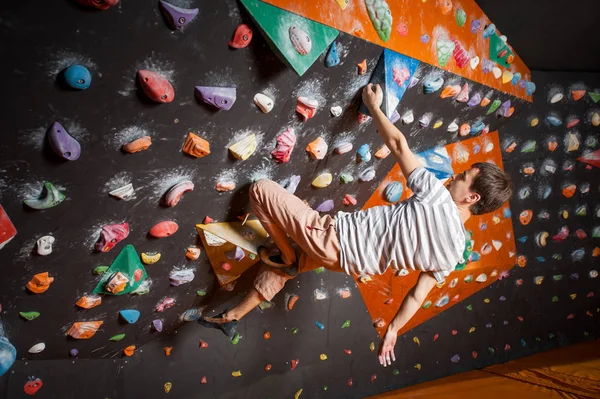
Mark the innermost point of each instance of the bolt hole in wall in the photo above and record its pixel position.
(105, 176)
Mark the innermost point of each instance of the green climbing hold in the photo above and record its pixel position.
(396, 372)
(426, 305)
(320, 270)
(381, 17)
(550, 335)
(51, 198)
(493, 107)
(557, 257)
(555, 299)
(445, 47)
(295, 330)
(585, 333)
(557, 277)
(528, 147)
(346, 324)
(346, 178)
(201, 293)
(469, 307)
(265, 305)
(100, 270)
(30, 315)
(538, 339)
(461, 17)
(117, 337)
(491, 350)
(325, 387)
(594, 96)
(236, 339)
(252, 256)
(581, 211)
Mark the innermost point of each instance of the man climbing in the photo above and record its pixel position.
(424, 233)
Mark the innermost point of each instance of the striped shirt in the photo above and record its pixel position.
(424, 232)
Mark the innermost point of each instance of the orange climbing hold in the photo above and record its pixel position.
(577, 94)
(203, 344)
(569, 191)
(484, 101)
(349, 200)
(267, 335)
(383, 152)
(525, 217)
(552, 145)
(268, 367)
(596, 252)
(464, 129)
(450, 91)
(292, 301)
(521, 260)
(192, 253)
(84, 329)
(168, 350)
(138, 145)
(196, 146)
(362, 67)
(129, 350)
(89, 301)
(40, 283)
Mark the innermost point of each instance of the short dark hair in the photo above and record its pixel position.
(493, 185)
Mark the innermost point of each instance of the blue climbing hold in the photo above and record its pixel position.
(476, 148)
(489, 31)
(553, 120)
(477, 127)
(320, 325)
(364, 153)
(432, 85)
(507, 213)
(540, 259)
(522, 239)
(130, 315)
(529, 88)
(475, 256)
(393, 192)
(516, 78)
(78, 77)
(332, 58)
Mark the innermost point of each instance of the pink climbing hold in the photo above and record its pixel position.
(111, 235)
(349, 200)
(285, 145)
(156, 86)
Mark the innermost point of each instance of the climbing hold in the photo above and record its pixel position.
(525, 217)
(150, 259)
(117, 337)
(89, 301)
(475, 25)
(177, 17)
(477, 127)
(381, 17)
(493, 107)
(346, 324)
(432, 85)
(220, 97)
(383, 152)
(464, 129)
(408, 117)
(84, 329)
(379, 323)
(306, 107)
(445, 48)
(336, 111)
(111, 235)
(179, 277)
(497, 72)
(367, 175)
(507, 76)
(596, 119)
(516, 78)
(62, 143)
(29, 315)
(137, 145)
(98, 270)
(332, 58)
(460, 54)
(285, 145)
(44, 245)
(474, 62)
(363, 118)
(393, 192)
(130, 315)
(424, 38)
(450, 91)
(175, 193)
(99, 4)
(485, 101)
(489, 30)
(156, 86)
(292, 301)
(51, 198)
(364, 153)
(572, 123)
(556, 98)
(452, 127)
(37, 348)
(241, 37)
(569, 190)
(349, 200)
(125, 193)
(294, 363)
(425, 120)
(196, 146)
(317, 149)
(158, 326)
(577, 94)
(572, 142)
(40, 283)
(346, 178)
(222, 186)
(325, 206)
(165, 304)
(461, 17)
(263, 102)
(163, 229)
(129, 351)
(300, 40)
(463, 95)
(530, 88)
(323, 180)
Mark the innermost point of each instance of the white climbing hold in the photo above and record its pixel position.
(125, 193)
(37, 348)
(408, 118)
(336, 111)
(264, 102)
(453, 127)
(497, 244)
(44, 245)
(473, 62)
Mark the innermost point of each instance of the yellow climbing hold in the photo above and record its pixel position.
(418, 366)
(573, 296)
(323, 356)
(372, 346)
(438, 124)
(596, 119)
(416, 341)
(534, 122)
(471, 329)
(298, 393)
(323, 180)
(244, 148)
(168, 387)
(486, 300)
(150, 259)
(236, 373)
(507, 76)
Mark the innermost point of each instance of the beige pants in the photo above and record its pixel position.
(283, 214)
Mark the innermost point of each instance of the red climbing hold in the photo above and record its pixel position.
(203, 344)
(294, 363)
(203, 380)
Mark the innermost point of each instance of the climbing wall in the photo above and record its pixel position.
(337, 360)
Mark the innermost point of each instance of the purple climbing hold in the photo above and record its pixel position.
(487, 66)
(475, 25)
(221, 97)
(455, 358)
(178, 17)
(326, 206)
(395, 117)
(157, 324)
(74, 352)
(237, 254)
(425, 39)
(504, 108)
(292, 184)
(474, 100)
(62, 143)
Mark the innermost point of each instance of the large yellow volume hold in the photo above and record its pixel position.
(244, 148)
(322, 180)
